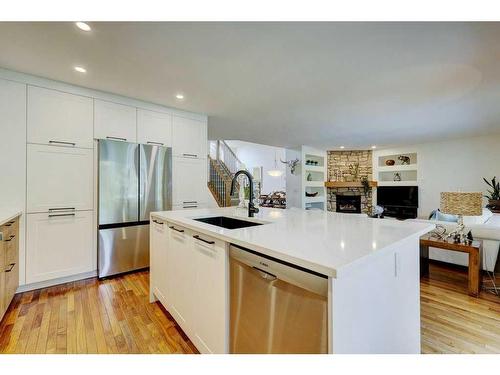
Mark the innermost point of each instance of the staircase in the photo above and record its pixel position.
(223, 164)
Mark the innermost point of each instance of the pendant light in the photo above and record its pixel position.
(275, 172)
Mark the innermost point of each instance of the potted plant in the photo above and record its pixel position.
(494, 195)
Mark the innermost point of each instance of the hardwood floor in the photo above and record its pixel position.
(451, 320)
(115, 316)
(91, 316)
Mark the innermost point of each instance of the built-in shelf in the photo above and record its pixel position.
(314, 183)
(314, 168)
(397, 183)
(314, 199)
(406, 173)
(398, 168)
(347, 184)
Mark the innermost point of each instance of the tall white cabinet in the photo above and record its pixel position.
(189, 169)
(59, 185)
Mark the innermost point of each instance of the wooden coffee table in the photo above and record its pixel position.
(474, 249)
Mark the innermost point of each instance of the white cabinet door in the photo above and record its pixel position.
(59, 177)
(58, 246)
(59, 118)
(210, 294)
(180, 276)
(189, 138)
(115, 121)
(189, 182)
(154, 128)
(158, 259)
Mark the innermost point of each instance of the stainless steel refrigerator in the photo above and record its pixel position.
(134, 180)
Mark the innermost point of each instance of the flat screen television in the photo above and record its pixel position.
(397, 196)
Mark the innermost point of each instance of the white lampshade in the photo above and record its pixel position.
(275, 173)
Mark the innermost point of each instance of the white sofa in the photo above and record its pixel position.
(486, 228)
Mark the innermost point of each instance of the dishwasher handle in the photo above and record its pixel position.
(265, 275)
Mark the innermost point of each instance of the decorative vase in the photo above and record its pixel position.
(397, 177)
(390, 162)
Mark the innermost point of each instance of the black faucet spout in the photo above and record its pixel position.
(251, 207)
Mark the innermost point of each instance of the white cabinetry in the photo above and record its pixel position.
(210, 312)
(158, 259)
(189, 177)
(59, 177)
(196, 269)
(115, 121)
(59, 118)
(180, 276)
(59, 245)
(154, 128)
(189, 137)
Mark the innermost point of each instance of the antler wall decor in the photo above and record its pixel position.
(292, 164)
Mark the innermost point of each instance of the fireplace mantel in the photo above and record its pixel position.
(347, 184)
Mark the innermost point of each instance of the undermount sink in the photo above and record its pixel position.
(227, 222)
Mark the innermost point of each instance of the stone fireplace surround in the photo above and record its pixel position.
(340, 160)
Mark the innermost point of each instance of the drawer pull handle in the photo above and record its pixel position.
(154, 143)
(157, 222)
(190, 155)
(201, 239)
(189, 206)
(10, 238)
(177, 230)
(57, 215)
(11, 267)
(117, 139)
(63, 143)
(62, 209)
(187, 202)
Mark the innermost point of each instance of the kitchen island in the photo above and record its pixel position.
(371, 268)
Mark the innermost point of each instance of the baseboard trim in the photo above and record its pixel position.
(58, 281)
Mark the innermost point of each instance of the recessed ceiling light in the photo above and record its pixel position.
(83, 26)
(374, 147)
(342, 147)
(179, 96)
(80, 69)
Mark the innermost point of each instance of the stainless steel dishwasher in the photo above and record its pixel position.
(276, 307)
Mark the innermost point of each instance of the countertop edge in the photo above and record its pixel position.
(10, 216)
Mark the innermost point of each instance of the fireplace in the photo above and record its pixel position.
(350, 204)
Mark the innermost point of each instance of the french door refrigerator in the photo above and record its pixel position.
(134, 180)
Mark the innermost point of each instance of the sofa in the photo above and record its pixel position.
(485, 227)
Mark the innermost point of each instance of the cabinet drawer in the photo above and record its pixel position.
(58, 245)
(115, 121)
(11, 282)
(11, 246)
(59, 177)
(60, 118)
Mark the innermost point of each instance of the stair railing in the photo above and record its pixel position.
(219, 184)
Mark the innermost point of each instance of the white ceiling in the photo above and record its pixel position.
(286, 84)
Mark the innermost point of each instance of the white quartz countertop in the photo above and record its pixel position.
(8, 214)
(325, 242)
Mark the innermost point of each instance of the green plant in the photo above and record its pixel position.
(494, 193)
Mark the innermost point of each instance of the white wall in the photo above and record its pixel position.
(454, 165)
(256, 155)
